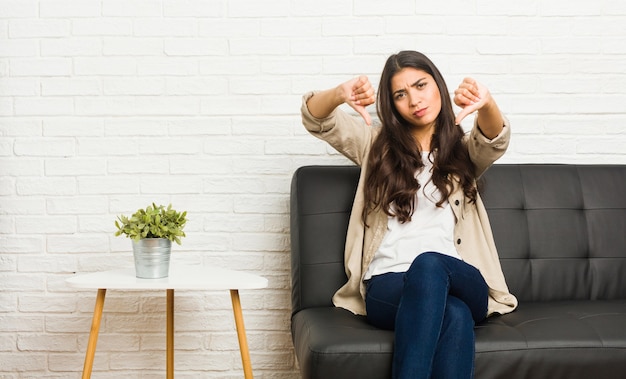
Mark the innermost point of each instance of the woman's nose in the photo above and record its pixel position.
(413, 98)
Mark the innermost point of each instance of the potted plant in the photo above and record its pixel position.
(152, 231)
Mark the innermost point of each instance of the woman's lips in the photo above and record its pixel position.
(420, 112)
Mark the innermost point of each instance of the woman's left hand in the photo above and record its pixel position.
(470, 96)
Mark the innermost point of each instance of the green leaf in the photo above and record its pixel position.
(153, 221)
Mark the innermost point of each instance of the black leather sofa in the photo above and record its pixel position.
(561, 236)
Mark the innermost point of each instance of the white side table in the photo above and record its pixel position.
(181, 277)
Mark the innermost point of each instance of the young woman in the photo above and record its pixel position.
(420, 257)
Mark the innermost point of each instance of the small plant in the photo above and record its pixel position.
(153, 222)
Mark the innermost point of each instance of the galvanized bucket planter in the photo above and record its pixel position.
(152, 257)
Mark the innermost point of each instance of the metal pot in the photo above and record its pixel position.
(152, 257)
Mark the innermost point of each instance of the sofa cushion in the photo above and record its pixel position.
(332, 343)
(570, 339)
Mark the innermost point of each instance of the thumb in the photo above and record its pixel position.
(464, 113)
(364, 113)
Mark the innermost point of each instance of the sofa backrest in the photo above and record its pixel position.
(560, 230)
(321, 200)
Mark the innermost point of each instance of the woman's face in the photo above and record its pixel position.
(416, 97)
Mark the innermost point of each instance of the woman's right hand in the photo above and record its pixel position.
(358, 93)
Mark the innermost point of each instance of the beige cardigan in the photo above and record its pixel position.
(472, 232)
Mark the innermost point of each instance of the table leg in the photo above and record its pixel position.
(241, 334)
(93, 334)
(170, 334)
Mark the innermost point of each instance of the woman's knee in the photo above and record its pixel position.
(428, 260)
(427, 265)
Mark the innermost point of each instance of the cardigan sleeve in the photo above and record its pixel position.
(484, 151)
(345, 133)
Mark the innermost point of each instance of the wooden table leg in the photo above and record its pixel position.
(170, 334)
(241, 334)
(93, 334)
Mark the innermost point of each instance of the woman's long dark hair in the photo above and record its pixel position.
(395, 155)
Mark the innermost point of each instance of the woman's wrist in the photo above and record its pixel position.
(490, 119)
(323, 103)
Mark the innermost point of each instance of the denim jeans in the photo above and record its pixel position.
(433, 308)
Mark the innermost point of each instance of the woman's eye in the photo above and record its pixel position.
(399, 96)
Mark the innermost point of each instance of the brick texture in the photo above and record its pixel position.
(109, 105)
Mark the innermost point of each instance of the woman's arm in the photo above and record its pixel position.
(357, 93)
(490, 138)
(346, 133)
(473, 96)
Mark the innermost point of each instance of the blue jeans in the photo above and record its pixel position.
(433, 308)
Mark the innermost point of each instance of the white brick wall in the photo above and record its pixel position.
(107, 105)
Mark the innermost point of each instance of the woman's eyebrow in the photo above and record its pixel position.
(418, 81)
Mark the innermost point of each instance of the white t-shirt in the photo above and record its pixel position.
(430, 229)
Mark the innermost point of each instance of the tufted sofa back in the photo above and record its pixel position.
(560, 230)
